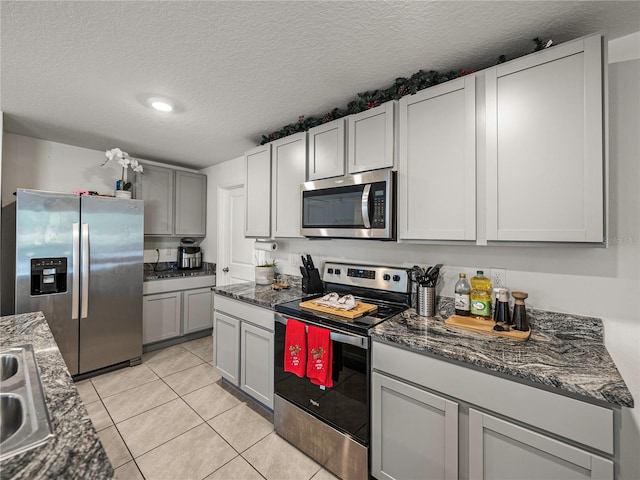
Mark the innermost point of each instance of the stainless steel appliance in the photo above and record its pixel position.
(356, 206)
(78, 259)
(331, 425)
(189, 256)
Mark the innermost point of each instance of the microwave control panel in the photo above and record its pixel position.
(379, 205)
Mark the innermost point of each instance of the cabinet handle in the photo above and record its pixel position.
(225, 269)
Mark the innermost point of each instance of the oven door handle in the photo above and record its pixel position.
(356, 341)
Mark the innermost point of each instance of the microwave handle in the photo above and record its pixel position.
(365, 205)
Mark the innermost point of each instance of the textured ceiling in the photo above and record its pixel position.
(78, 72)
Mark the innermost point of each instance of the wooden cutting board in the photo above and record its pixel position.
(485, 326)
(360, 309)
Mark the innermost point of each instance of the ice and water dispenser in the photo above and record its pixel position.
(48, 275)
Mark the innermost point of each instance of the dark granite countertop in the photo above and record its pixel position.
(75, 451)
(165, 270)
(263, 295)
(565, 353)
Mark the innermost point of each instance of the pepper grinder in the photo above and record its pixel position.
(501, 313)
(520, 312)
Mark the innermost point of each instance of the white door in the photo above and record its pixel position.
(235, 252)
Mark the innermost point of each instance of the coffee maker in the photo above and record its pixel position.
(189, 255)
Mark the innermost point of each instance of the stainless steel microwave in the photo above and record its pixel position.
(356, 206)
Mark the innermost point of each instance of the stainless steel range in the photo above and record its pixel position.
(331, 424)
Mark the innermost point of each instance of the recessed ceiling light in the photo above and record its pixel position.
(160, 104)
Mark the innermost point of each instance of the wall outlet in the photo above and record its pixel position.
(498, 277)
(167, 252)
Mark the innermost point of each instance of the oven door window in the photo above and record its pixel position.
(345, 406)
(339, 207)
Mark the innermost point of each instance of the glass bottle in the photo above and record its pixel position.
(462, 302)
(480, 296)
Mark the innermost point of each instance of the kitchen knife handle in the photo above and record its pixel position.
(85, 270)
(365, 205)
(75, 271)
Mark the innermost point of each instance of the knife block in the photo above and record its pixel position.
(312, 283)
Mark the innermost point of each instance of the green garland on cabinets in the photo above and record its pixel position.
(370, 99)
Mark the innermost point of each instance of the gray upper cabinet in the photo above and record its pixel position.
(258, 192)
(175, 201)
(155, 187)
(372, 138)
(545, 147)
(437, 168)
(191, 204)
(288, 162)
(326, 150)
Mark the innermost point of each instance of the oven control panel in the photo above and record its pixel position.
(394, 279)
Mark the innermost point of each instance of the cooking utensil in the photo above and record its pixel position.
(304, 272)
(310, 262)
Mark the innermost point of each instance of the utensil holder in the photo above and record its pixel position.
(426, 305)
(312, 283)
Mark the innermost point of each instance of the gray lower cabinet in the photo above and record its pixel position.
(256, 363)
(243, 336)
(176, 307)
(198, 308)
(414, 433)
(161, 316)
(436, 419)
(501, 449)
(226, 351)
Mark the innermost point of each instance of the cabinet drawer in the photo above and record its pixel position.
(262, 317)
(582, 422)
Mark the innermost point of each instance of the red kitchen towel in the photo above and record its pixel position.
(295, 348)
(320, 356)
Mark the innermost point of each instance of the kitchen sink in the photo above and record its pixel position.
(8, 366)
(11, 415)
(24, 420)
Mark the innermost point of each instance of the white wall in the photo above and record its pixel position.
(44, 165)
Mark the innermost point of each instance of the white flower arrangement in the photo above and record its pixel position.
(126, 161)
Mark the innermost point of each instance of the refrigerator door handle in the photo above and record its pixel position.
(75, 286)
(85, 270)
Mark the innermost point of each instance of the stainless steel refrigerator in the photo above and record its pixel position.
(79, 260)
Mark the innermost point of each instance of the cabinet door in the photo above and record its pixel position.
(437, 168)
(545, 146)
(258, 192)
(288, 172)
(198, 309)
(191, 204)
(161, 316)
(226, 351)
(371, 137)
(326, 150)
(414, 433)
(155, 187)
(256, 363)
(499, 449)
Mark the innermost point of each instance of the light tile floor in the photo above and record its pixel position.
(172, 418)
